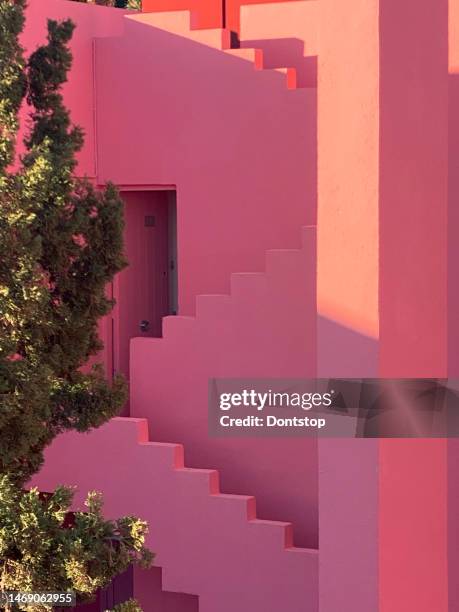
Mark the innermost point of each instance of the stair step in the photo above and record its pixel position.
(280, 533)
(212, 305)
(246, 284)
(208, 480)
(242, 506)
(175, 326)
(280, 261)
(181, 23)
(288, 73)
(252, 55)
(170, 456)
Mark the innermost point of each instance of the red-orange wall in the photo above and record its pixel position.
(208, 12)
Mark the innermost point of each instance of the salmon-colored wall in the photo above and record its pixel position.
(348, 174)
(382, 206)
(347, 285)
(233, 8)
(288, 34)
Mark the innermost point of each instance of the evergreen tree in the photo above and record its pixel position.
(60, 244)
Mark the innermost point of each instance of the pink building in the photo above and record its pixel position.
(288, 171)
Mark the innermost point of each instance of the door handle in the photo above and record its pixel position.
(144, 325)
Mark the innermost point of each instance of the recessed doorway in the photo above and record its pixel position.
(147, 290)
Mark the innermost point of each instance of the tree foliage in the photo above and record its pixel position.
(130, 605)
(60, 244)
(45, 548)
(129, 4)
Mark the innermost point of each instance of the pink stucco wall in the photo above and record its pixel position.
(238, 145)
(148, 581)
(413, 289)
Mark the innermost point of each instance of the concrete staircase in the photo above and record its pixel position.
(207, 543)
(264, 329)
(184, 24)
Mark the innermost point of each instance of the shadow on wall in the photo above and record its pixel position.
(282, 473)
(146, 587)
(287, 52)
(335, 341)
(148, 592)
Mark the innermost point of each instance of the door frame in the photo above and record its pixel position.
(112, 347)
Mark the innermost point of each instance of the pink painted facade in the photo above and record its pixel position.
(309, 169)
